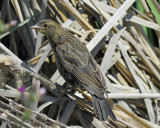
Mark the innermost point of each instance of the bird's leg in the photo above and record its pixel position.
(73, 87)
(63, 90)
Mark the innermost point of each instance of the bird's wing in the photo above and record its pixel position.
(83, 67)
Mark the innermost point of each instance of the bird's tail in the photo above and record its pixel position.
(102, 109)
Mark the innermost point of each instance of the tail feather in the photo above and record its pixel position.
(97, 108)
(102, 108)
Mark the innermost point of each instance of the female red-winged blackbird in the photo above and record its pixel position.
(77, 65)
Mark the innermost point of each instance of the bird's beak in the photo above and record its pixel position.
(36, 27)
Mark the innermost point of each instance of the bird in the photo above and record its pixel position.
(76, 65)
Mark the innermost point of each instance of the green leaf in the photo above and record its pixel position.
(19, 25)
(140, 8)
(26, 115)
(153, 9)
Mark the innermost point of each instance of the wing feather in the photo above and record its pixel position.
(83, 67)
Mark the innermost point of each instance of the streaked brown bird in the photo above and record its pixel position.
(76, 65)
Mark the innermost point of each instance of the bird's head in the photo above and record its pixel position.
(47, 27)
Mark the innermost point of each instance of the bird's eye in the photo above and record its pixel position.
(45, 25)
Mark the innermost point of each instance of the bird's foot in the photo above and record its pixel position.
(63, 90)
